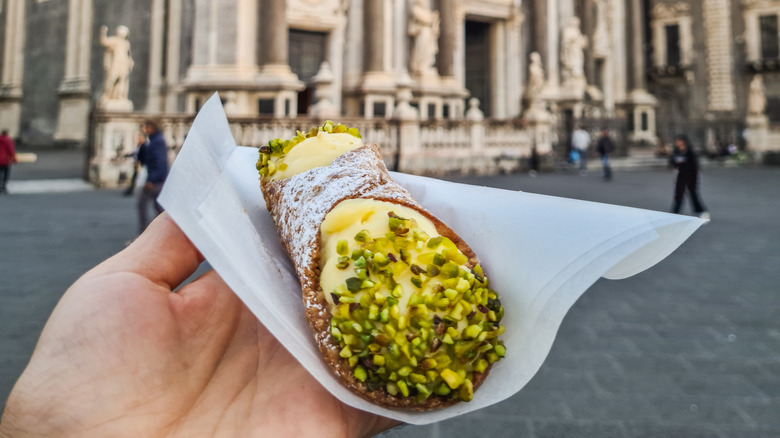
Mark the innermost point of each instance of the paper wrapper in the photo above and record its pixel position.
(533, 249)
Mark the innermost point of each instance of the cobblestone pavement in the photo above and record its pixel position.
(689, 348)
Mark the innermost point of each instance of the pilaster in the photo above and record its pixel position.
(13, 66)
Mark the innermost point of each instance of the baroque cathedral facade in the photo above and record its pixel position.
(651, 68)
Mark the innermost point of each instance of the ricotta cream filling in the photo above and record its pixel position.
(350, 217)
(317, 151)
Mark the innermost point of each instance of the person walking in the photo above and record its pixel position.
(604, 148)
(685, 162)
(154, 155)
(7, 158)
(580, 140)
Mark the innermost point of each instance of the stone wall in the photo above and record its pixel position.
(44, 68)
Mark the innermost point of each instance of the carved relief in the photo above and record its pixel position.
(674, 10)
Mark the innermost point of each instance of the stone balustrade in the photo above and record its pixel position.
(430, 147)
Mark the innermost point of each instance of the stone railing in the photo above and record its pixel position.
(429, 147)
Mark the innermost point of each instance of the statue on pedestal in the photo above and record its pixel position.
(757, 97)
(117, 64)
(424, 28)
(573, 42)
(536, 79)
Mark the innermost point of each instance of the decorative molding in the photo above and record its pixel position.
(757, 4)
(663, 11)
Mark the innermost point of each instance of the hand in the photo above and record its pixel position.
(123, 356)
(148, 185)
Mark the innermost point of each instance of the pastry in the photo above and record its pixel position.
(399, 305)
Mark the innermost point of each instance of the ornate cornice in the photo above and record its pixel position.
(759, 4)
(671, 10)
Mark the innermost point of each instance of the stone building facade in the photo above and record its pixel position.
(650, 68)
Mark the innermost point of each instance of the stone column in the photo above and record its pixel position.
(550, 30)
(374, 24)
(636, 52)
(515, 63)
(173, 57)
(74, 90)
(156, 42)
(445, 60)
(717, 24)
(641, 103)
(275, 74)
(379, 81)
(275, 34)
(13, 66)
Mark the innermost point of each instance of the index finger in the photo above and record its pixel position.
(163, 254)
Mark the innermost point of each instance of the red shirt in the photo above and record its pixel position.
(7, 151)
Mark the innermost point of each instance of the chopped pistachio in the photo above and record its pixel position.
(360, 373)
(452, 378)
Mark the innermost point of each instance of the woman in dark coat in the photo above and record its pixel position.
(684, 160)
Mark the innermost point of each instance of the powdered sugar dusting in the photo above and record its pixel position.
(298, 206)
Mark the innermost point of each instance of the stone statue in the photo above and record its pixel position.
(757, 97)
(573, 42)
(600, 43)
(535, 77)
(424, 28)
(117, 63)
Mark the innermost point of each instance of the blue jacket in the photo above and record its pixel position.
(154, 155)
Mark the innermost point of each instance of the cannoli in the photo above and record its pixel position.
(399, 305)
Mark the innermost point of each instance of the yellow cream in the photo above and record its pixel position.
(350, 217)
(317, 151)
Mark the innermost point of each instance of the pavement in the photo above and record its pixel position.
(688, 348)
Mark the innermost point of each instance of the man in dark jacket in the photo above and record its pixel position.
(684, 160)
(154, 155)
(604, 148)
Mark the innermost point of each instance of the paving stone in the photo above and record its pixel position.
(579, 429)
(656, 430)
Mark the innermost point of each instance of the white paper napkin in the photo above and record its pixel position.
(533, 248)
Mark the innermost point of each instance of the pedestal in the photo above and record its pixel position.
(73, 114)
(116, 105)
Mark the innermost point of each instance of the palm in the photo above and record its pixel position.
(123, 356)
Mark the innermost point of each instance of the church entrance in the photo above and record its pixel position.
(306, 53)
(478, 63)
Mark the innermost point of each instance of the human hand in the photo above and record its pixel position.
(123, 356)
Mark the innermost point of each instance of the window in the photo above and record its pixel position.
(768, 28)
(673, 52)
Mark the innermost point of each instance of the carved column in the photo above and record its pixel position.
(374, 24)
(156, 40)
(641, 103)
(378, 80)
(74, 90)
(13, 66)
(275, 32)
(636, 53)
(448, 33)
(173, 57)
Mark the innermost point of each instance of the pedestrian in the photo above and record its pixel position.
(684, 160)
(7, 158)
(154, 155)
(580, 140)
(141, 139)
(604, 148)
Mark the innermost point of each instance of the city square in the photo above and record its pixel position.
(686, 348)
